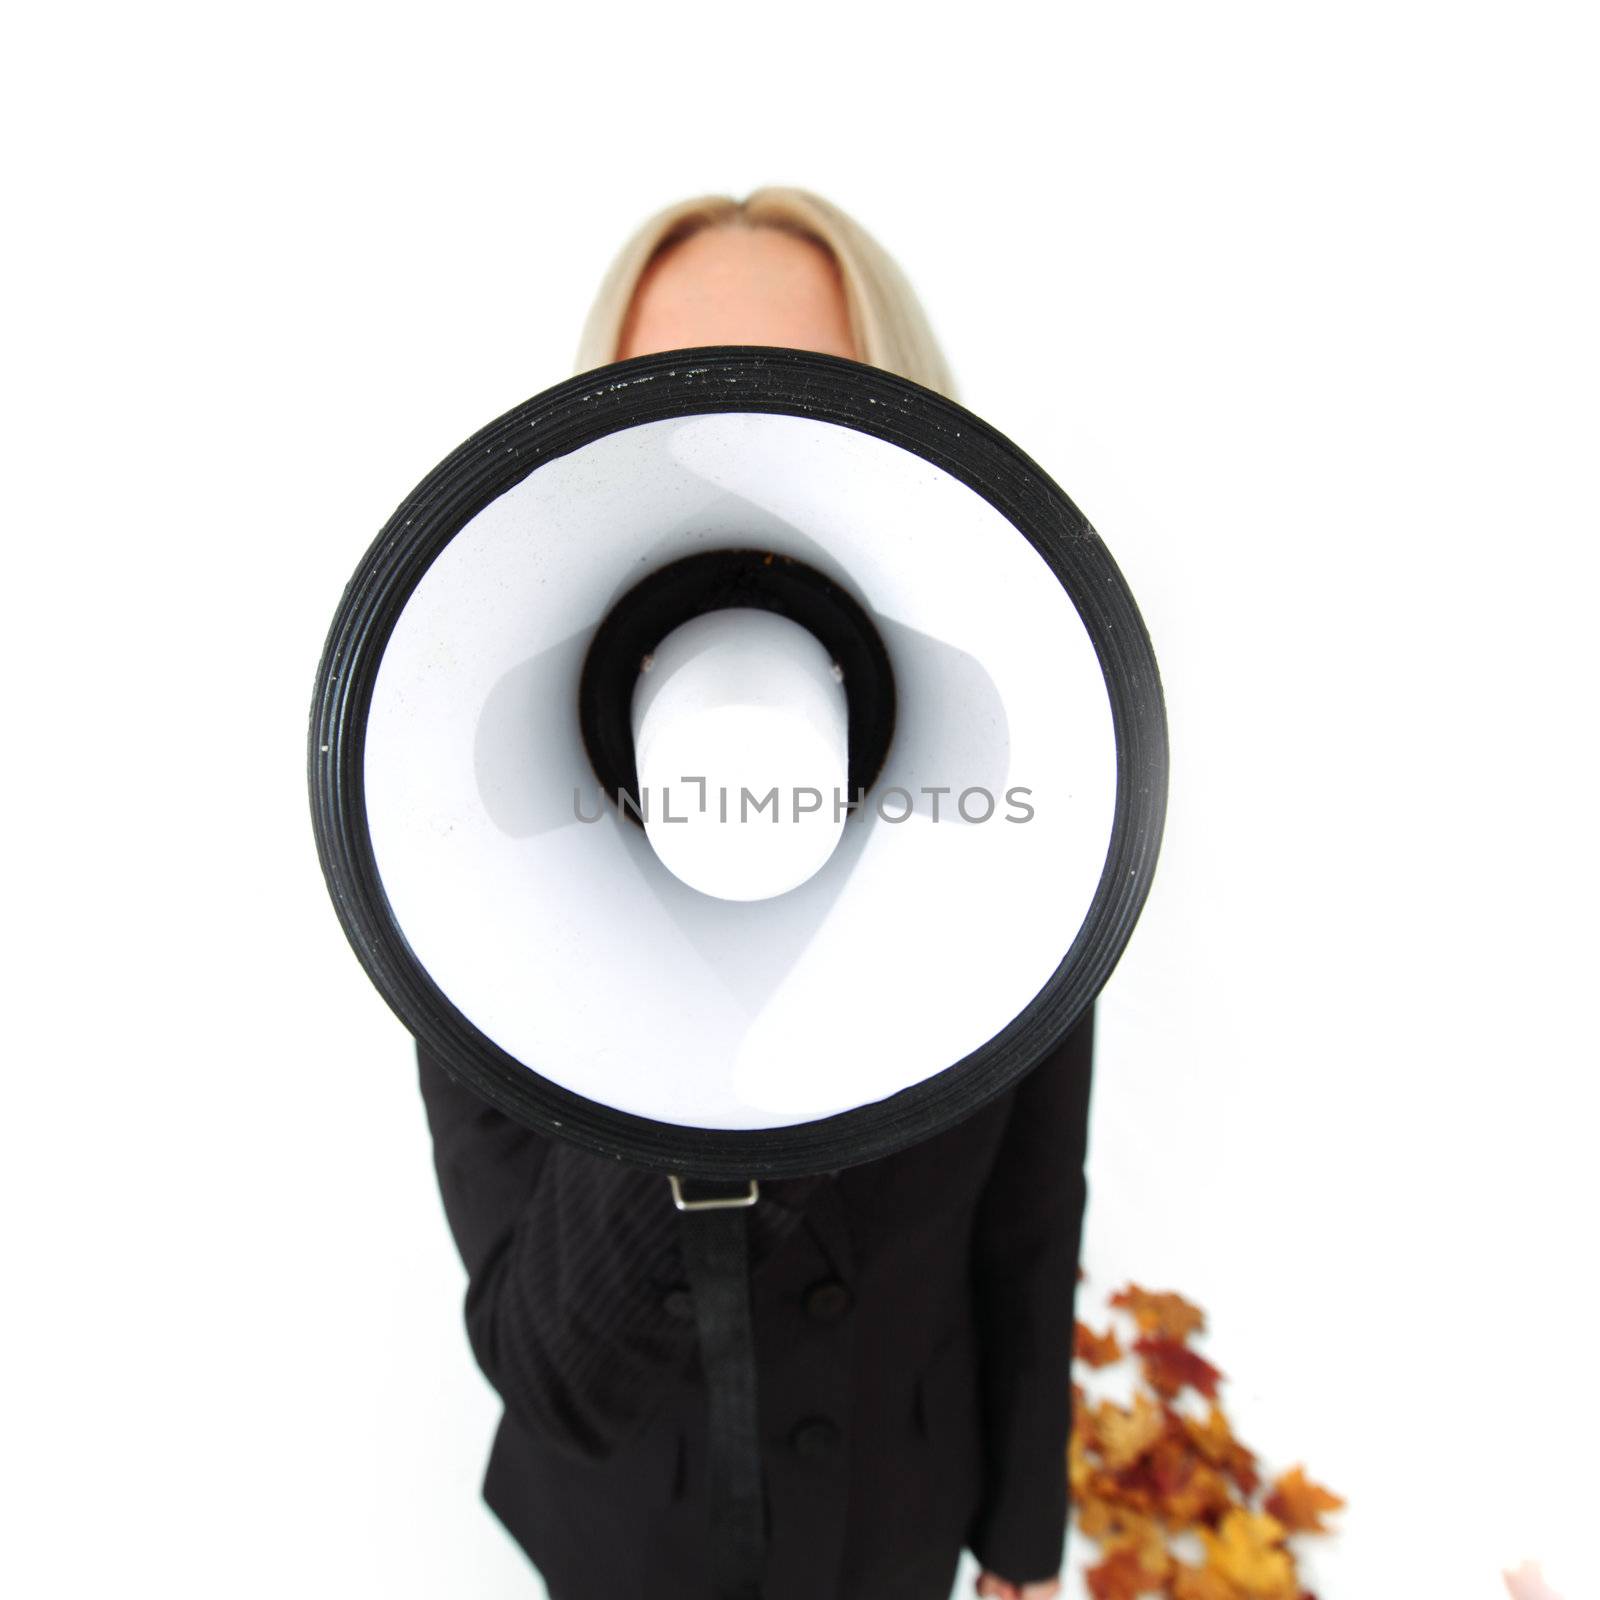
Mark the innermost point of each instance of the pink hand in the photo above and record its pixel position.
(991, 1586)
(1527, 1583)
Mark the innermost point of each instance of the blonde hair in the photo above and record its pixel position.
(887, 322)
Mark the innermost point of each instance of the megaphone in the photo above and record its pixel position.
(475, 791)
(740, 762)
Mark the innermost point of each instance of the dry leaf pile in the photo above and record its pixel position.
(1154, 1482)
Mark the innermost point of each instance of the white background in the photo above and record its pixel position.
(1297, 303)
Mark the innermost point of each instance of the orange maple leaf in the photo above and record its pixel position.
(1097, 1519)
(1214, 1439)
(1078, 1468)
(1095, 1349)
(1123, 1436)
(1298, 1503)
(1248, 1551)
(1120, 1577)
(1170, 1366)
(1146, 1539)
(1160, 1312)
(1199, 1583)
(1130, 1490)
(1204, 1498)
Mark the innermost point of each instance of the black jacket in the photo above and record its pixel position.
(913, 1327)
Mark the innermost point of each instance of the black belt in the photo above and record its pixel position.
(716, 1252)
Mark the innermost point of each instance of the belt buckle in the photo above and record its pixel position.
(716, 1202)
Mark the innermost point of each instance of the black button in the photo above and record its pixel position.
(815, 1438)
(679, 1303)
(827, 1301)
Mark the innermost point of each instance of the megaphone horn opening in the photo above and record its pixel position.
(714, 580)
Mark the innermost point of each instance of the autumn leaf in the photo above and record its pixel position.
(1172, 1461)
(1205, 1498)
(1298, 1503)
(1147, 1539)
(1214, 1439)
(1078, 1468)
(1095, 1349)
(1247, 1550)
(1097, 1518)
(1116, 1527)
(1171, 1367)
(1199, 1583)
(1120, 1577)
(1129, 1490)
(1167, 1315)
(1123, 1436)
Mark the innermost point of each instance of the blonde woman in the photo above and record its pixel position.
(913, 1315)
